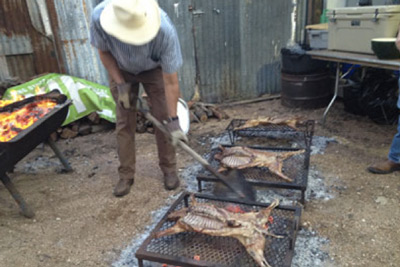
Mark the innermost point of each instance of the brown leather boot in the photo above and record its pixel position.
(384, 167)
(171, 181)
(123, 187)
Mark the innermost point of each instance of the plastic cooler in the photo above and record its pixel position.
(318, 39)
(352, 28)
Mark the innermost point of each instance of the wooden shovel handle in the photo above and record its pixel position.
(192, 153)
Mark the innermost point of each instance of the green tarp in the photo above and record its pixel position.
(87, 97)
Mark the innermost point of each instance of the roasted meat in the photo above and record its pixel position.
(291, 122)
(249, 227)
(240, 157)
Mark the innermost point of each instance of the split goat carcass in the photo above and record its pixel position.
(241, 157)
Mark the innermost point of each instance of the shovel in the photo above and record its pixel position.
(233, 181)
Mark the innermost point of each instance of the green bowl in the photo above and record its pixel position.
(385, 48)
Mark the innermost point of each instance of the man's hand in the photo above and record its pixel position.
(176, 132)
(125, 95)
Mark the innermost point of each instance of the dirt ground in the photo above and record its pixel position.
(79, 222)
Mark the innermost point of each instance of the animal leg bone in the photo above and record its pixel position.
(170, 231)
(256, 250)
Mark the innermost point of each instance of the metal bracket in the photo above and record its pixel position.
(375, 19)
(333, 19)
(197, 12)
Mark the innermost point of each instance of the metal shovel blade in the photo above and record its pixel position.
(236, 182)
(236, 179)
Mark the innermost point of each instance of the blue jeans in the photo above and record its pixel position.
(394, 152)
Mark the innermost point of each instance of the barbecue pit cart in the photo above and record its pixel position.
(15, 149)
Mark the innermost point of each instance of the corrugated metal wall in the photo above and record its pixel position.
(25, 49)
(217, 40)
(265, 27)
(231, 49)
(236, 44)
(71, 22)
(177, 10)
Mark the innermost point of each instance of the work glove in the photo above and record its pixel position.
(175, 131)
(125, 96)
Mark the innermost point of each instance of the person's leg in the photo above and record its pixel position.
(394, 152)
(393, 162)
(153, 84)
(125, 130)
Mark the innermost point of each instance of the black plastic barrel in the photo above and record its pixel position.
(308, 91)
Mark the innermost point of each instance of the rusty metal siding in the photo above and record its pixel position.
(231, 48)
(71, 22)
(177, 10)
(22, 66)
(15, 45)
(26, 50)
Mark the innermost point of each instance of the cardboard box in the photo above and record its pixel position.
(352, 28)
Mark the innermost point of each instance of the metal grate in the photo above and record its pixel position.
(272, 135)
(295, 167)
(180, 249)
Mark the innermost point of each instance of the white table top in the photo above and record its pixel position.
(355, 58)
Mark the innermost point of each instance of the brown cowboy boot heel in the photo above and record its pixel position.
(123, 187)
(171, 181)
(384, 167)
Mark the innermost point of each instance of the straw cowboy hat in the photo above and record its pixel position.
(134, 22)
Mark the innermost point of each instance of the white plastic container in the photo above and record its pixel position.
(352, 28)
(318, 39)
(183, 115)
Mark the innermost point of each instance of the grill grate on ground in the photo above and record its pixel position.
(180, 249)
(271, 135)
(295, 167)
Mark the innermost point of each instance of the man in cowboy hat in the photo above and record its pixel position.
(138, 43)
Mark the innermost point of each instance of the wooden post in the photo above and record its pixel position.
(4, 72)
